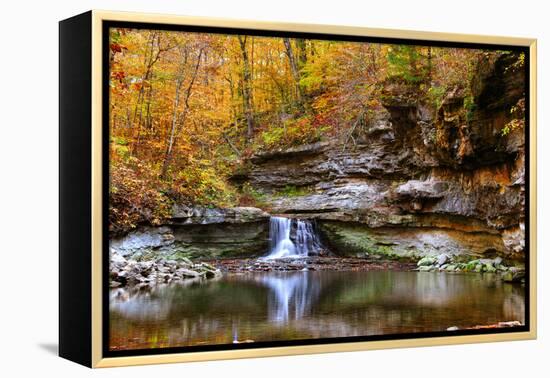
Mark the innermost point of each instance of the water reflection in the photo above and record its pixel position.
(301, 305)
(291, 296)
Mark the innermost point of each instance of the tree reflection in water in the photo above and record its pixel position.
(302, 305)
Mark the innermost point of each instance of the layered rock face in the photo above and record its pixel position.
(419, 179)
(199, 233)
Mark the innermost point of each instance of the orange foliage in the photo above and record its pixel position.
(180, 122)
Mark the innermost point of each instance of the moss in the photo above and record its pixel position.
(353, 240)
(470, 266)
(489, 268)
(249, 196)
(427, 261)
(436, 95)
(190, 251)
(470, 107)
(293, 191)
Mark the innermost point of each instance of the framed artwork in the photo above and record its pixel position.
(235, 189)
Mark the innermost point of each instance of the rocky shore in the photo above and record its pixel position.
(131, 273)
(124, 272)
(312, 263)
(441, 263)
(444, 263)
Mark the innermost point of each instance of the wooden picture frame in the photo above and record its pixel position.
(84, 188)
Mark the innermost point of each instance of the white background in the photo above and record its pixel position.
(29, 174)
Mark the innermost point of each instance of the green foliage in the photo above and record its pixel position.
(517, 112)
(273, 137)
(293, 191)
(407, 62)
(470, 107)
(518, 121)
(519, 63)
(120, 146)
(452, 71)
(436, 95)
(249, 196)
(312, 76)
(201, 183)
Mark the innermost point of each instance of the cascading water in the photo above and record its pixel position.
(307, 240)
(281, 245)
(279, 236)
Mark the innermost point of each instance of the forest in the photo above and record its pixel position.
(188, 109)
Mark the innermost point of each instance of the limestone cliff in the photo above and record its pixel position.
(199, 232)
(419, 179)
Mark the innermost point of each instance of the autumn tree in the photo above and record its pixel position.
(409, 62)
(294, 67)
(187, 108)
(247, 88)
(180, 112)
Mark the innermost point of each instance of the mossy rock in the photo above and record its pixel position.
(489, 268)
(426, 261)
(350, 239)
(450, 268)
(471, 266)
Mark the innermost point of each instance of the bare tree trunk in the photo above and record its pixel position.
(295, 72)
(430, 67)
(302, 53)
(247, 90)
(174, 124)
(229, 80)
(150, 59)
(178, 119)
(148, 115)
(237, 152)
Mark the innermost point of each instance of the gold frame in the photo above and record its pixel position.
(97, 359)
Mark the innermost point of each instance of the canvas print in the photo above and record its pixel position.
(271, 189)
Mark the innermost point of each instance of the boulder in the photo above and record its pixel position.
(514, 275)
(442, 259)
(427, 261)
(138, 273)
(422, 189)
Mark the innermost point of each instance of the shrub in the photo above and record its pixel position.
(518, 121)
(200, 182)
(249, 196)
(134, 197)
(293, 132)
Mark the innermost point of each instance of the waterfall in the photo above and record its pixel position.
(307, 240)
(281, 245)
(279, 236)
